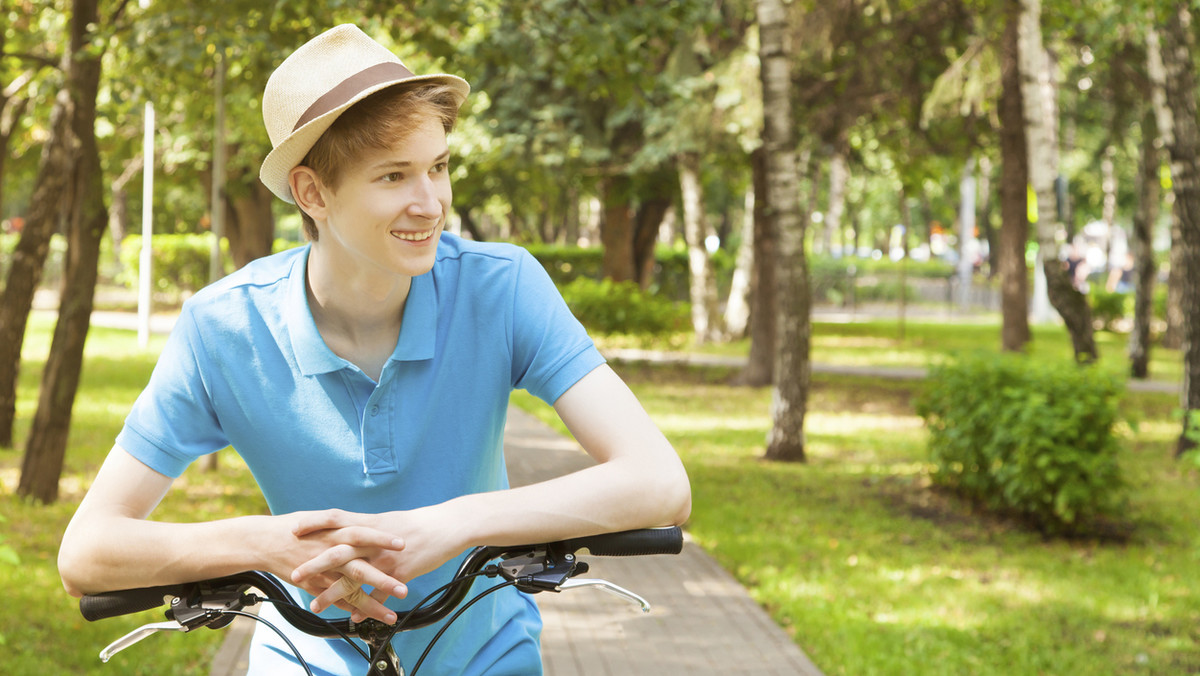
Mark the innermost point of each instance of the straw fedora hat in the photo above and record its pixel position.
(316, 84)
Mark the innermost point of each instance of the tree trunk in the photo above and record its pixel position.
(469, 225)
(647, 223)
(29, 258)
(1164, 120)
(118, 216)
(702, 285)
(1038, 96)
(737, 309)
(249, 221)
(47, 444)
(616, 229)
(983, 216)
(1144, 217)
(1173, 337)
(760, 368)
(1014, 176)
(789, 401)
(839, 176)
(1181, 93)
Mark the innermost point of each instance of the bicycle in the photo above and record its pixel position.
(532, 569)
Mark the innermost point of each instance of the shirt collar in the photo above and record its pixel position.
(418, 332)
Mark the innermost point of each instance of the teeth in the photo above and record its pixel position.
(413, 236)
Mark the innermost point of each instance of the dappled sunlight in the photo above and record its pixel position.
(851, 424)
(674, 423)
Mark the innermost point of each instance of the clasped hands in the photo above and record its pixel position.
(343, 552)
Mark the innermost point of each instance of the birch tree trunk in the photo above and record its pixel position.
(1164, 120)
(702, 286)
(839, 176)
(983, 213)
(737, 308)
(1181, 93)
(1144, 218)
(1014, 177)
(789, 400)
(1038, 95)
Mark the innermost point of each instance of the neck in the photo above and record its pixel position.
(357, 314)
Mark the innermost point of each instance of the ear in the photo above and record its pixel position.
(307, 190)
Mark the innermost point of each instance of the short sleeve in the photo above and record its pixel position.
(173, 421)
(551, 349)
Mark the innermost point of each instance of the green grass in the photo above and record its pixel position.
(41, 629)
(869, 569)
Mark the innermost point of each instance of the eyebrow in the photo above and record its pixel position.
(401, 164)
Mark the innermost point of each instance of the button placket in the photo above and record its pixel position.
(376, 431)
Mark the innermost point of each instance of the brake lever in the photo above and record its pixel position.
(609, 587)
(138, 634)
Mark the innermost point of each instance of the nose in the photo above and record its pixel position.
(426, 199)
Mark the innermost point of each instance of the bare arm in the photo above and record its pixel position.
(638, 482)
(109, 543)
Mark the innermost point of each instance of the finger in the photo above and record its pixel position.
(325, 519)
(333, 558)
(358, 571)
(361, 536)
(350, 593)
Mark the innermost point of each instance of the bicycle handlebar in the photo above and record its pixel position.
(627, 543)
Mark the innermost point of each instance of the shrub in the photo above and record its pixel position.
(180, 261)
(565, 264)
(606, 306)
(179, 264)
(1028, 439)
(1108, 306)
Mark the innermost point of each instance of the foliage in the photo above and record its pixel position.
(1026, 438)
(568, 263)
(1109, 306)
(606, 306)
(179, 263)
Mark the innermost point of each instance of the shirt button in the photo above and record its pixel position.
(375, 409)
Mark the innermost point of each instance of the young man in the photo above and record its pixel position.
(364, 379)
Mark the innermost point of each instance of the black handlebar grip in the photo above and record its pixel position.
(111, 604)
(641, 542)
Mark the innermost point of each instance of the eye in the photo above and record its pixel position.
(393, 177)
(440, 168)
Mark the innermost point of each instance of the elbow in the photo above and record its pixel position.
(676, 492)
(68, 571)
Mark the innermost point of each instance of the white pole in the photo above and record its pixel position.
(147, 229)
(966, 235)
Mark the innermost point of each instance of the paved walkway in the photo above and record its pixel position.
(703, 622)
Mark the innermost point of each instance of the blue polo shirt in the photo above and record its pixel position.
(246, 367)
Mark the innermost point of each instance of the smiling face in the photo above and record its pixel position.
(389, 208)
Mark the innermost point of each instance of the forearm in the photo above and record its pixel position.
(102, 551)
(618, 495)
(639, 481)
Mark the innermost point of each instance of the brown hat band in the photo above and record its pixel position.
(351, 86)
